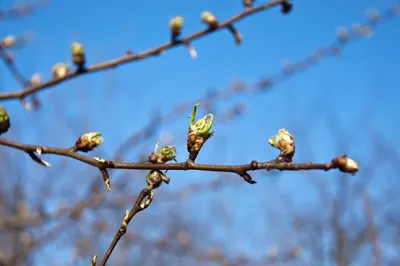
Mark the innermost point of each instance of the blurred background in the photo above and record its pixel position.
(291, 71)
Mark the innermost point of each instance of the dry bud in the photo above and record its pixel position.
(8, 41)
(4, 120)
(175, 26)
(248, 3)
(60, 70)
(88, 141)
(345, 164)
(78, 54)
(284, 142)
(286, 7)
(208, 18)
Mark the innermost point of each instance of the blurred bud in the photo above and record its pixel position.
(215, 253)
(183, 237)
(78, 54)
(286, 7)
(208, 18)
(272, 253)
(4, 120)
(88, 141)
(175, 26)
(284, 142)
(288, 66)
(294, 252)
(373, 14)
(248, 3)
(342, 34)
(35, 79)
(345, 164)
(60, 70)
(8, 41)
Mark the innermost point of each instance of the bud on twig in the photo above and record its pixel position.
(286, 7)
(208, 18)
(284, 142)
(78, 54)
(60, 70)
(248, 3)
(94, 260)
(88, 141)
(35, 79)
(163, 155)
(8, 41)
(155, 178)
(199, 133)
(175, 26)
(345, 164)
(4, 120)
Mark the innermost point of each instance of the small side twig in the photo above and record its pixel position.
(136, 208)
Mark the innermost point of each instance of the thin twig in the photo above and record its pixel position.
(136, 208)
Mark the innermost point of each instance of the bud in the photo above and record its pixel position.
(208, 18)
(284, 142)
(155, 178)
(88, 141)
(199, 133)
(35, 79)
(78, 54)
(163, 155)
(345, 164)
(4, 120)
(8, 41)
(286, 7)
(248, 3)
(60, 70)
(342, 34)
(175, 26)
(373, 14)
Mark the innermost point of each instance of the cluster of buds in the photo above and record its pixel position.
(88, 141)
(163, 155)
(284, 142)
(199, 133)
(4, 120)
(208, 18)
(175, 26)
(155, 178)
(345, 164)
(60, 70)
(8, 42)
(78, 54)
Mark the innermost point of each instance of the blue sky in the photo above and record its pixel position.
(118, 102)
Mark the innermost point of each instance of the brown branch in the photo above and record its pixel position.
(136, 208)
(140, 56)
(372, 232)
(183, 166)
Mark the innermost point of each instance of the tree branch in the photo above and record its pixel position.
(140, 56)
